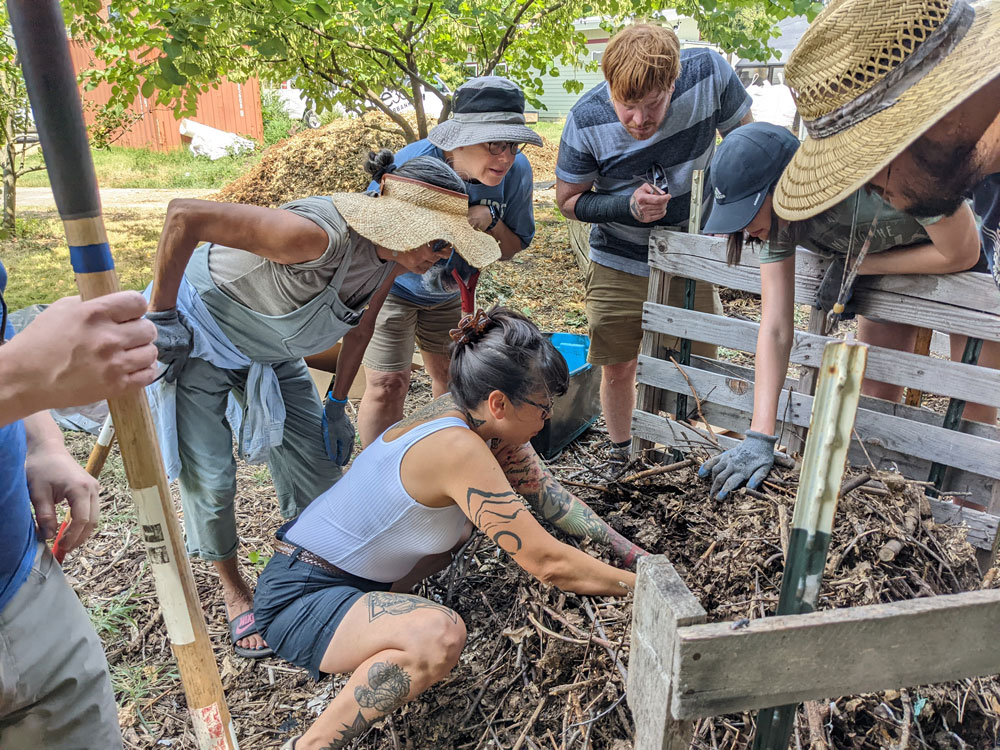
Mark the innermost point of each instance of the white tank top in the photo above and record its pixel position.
(368, 525)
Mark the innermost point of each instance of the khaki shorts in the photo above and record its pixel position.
(400, 322)
(614, 302)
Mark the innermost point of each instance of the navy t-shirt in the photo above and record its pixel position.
(512, 197)
(986, 204)
(17, 527)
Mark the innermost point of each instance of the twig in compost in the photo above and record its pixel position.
(697, 404)
(657, 470)
(527, 727)
(600, 629)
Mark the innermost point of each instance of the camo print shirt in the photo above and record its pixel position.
(829, 233)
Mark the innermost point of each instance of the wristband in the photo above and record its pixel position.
(495, 213)
(329, 397)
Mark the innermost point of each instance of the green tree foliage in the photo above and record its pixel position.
(368, 54)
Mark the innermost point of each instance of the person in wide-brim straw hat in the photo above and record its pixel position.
(870, 78)
(240, 295)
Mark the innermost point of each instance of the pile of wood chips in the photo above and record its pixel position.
(543, 669)
(330, 160)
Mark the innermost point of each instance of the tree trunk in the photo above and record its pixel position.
(7, 157)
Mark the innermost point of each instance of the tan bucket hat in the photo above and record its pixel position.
(869, 77)
(409, 213)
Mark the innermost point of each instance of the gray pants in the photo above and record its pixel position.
(55, 690)
(300, 466)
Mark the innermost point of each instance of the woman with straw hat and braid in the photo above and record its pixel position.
(240, 294)
(482, 142)
(745, 169)
(335, 597)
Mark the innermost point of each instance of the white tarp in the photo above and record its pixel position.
(212, 142)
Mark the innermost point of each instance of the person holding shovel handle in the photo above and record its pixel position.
(334, 596)
(862, 232)
(55, 688)
(482, 142)
(240, 295)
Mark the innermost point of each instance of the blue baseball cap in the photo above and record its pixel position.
(746, 166)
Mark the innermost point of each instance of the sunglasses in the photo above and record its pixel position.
(656, 176)
(498, 147)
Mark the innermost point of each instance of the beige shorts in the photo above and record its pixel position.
(614, 302)
(401, 322)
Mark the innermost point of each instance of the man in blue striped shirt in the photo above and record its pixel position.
(625, 162)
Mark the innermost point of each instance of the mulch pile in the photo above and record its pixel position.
(329, 160)
(544, 669)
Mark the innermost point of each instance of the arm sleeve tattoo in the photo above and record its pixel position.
(555, 504)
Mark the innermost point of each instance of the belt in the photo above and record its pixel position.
(306, 556)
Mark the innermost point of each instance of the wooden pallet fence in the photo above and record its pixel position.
(895, 436)
(681, 668)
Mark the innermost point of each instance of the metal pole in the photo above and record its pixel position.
(830, 427)
(40, 34)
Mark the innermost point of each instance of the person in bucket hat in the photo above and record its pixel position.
(240, 294)
(482, 141)
(626, 157)
(745, 170)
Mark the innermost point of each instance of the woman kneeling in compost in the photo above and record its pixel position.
(333, 597)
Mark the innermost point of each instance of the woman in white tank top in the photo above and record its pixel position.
(333, 597)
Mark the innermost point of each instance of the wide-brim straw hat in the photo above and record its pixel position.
(484, 109)
(869, 78)
(409, 213)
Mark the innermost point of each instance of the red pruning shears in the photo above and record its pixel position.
(467, 290)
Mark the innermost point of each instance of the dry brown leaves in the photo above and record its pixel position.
(329, 160)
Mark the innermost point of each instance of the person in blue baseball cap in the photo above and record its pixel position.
(744, 173)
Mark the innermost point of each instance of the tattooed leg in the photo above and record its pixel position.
(543, 492)
(413, 643)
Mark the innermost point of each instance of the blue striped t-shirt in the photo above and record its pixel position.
(596, 147)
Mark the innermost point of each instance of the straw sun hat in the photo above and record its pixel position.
(869, 77)
(410, 213)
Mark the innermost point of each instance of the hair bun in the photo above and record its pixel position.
(471, 328)
(378, 165)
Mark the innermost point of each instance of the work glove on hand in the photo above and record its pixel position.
(174, 340)
(829, 289)
(338, 432)
(749, 462)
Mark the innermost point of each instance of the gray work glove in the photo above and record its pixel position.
(338, 432)
(829, 289)
(749, 462)
(174, 340)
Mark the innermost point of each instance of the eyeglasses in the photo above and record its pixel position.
(656, 176)
(498, 147)
(546, 410)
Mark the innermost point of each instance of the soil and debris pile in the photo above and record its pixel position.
(329, 160)
(544, 669)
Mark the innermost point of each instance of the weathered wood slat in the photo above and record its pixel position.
(719, 670)
(943, 377)
(955, 303)
(934, 443)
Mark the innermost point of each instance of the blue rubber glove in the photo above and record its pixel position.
(749, 463)
(829, 289)
(174, 340)
(338, 432)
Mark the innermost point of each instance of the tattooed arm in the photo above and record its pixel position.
(478, 485)
(535, 483)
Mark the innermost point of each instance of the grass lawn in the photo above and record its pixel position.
(550, 130)
(143, 168)
(38, 260)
